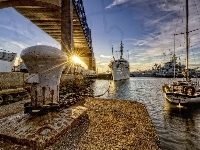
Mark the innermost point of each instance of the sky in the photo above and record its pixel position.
(146, 28)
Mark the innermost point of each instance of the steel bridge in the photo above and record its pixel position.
(63, 20)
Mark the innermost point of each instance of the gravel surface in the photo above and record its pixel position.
(13, 108)
(111, 124)
(108, 124)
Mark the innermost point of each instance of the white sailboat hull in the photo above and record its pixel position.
(182, 99)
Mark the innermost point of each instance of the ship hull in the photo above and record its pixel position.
(120, 70)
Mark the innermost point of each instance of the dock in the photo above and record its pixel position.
(98, 124)
(104, 76)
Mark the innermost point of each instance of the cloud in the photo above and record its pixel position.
(161, 30)
(130, 2)
(116, 2)
(13, 27)
(103, 56)
(57, 45)
(18, 44)
(133, 2)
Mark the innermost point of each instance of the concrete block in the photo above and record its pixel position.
(39, 131)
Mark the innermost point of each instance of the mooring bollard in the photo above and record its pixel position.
(45, 65)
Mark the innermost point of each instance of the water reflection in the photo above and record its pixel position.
(178, 127)
(182, 126)
(119, 89)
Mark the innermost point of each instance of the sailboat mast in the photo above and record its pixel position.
(187, 44)
(174, 58)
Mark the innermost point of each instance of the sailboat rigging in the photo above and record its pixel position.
(183, 92)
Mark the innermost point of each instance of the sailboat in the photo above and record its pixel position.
(119, 67)
(186, 91)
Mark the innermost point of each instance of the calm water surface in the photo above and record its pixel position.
(178, 127)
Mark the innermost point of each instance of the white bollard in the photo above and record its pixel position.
(45, 65)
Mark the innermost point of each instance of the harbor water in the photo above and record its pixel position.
(178, 127)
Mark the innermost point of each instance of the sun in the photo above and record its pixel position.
(76, 59)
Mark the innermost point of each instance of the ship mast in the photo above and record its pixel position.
(121, 50)
(112, 49)
(187, 45)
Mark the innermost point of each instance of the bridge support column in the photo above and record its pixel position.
(67, 43)
(89, 60)
(91, 63)
(94, 64)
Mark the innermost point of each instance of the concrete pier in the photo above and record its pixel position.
(39, 131)
(118, 124)
(67, 27)
(107, 124)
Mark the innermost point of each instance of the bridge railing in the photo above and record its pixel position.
(82, 17)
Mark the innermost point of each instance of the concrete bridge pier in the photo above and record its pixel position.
(67, 43)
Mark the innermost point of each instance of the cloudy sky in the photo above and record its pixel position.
(146, 27)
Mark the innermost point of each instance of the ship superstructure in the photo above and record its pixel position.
(171, 68)
(120, 67)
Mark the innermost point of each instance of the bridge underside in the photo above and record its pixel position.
(49, 15)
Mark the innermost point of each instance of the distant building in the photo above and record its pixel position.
(7, 61)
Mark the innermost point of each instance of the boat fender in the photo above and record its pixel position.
(190, 90)
(165, 88)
